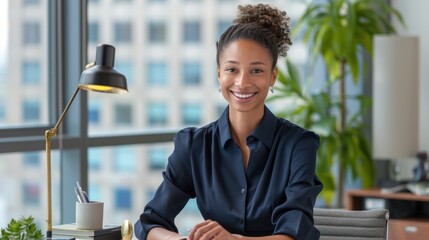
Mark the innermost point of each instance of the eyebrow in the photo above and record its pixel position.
(253, 63)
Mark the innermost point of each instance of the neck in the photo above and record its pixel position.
(244, 123)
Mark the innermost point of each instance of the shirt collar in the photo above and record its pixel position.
(265, 130)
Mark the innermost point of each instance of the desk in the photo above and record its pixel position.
(413, 227)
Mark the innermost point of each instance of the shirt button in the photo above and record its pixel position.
(240, 221)
(243, 191)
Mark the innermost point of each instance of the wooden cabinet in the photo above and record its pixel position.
(408, 229)
(415, 224)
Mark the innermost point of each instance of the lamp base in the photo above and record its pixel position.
(60, 238)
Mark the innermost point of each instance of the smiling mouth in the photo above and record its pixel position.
(243, 96)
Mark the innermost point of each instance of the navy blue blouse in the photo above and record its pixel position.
(274, 195)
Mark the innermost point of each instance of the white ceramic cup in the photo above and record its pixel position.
(89, 215)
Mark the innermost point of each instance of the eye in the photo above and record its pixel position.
(231, 70)
(257, 70)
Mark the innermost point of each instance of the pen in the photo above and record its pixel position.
(79, 198)
(81, 194)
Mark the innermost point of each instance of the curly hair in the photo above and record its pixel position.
(263, 24)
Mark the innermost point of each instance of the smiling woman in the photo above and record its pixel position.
(251, 173)
(117, 146)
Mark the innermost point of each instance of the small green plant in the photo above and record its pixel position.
(21, 229)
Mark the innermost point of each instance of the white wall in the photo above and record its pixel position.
(415, 17)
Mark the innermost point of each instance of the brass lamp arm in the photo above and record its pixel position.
(66, 109)
(48, 135)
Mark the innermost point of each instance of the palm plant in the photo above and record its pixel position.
(340, 32)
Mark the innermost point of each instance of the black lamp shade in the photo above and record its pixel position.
(102, 77)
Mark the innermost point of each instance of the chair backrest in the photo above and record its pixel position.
(344, 224)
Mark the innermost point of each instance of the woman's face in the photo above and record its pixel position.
(245, 74)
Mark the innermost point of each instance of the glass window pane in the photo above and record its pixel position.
(158, 158)
(31, 73)
(93, 32)
(123, 114)
(126, 68)
(157, 112)
(31, 110)
(94, 112)
(191, 32)
(31, 33)
(157, 73)
(122, 32)
(23, 63)
(23, 189)
(222, 25)
(124, 159)
(191, 114)
(31, 2)
(157, 32)
(191, 73)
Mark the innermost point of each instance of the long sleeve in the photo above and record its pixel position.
(171, 196)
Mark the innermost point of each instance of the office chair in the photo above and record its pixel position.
(341, 224)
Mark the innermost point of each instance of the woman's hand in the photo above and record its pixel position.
(210, 230)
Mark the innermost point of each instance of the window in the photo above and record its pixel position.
(2, 110)
(157, 114)
(31, 73)
(95, 159)
(222, 25)
(158, 158)
(94, 192)
(123, 115)
(31, 2)
(157, 32)
(191, 114)
(124, 159)
(93, 32)
(126, 68)
(31, 33)
(122, 198)
(191, 73)
(31, 193)
(191, 32)
(157, 73)
(94, 112)
(32, 159)
(31, 110)
(123, 32)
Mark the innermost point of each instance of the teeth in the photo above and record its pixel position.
(243, 95)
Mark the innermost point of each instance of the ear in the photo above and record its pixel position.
(274, 77)
(218, 75)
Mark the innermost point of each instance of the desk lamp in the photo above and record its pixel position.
(100, 77)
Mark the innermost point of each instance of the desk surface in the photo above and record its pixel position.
(354, 197)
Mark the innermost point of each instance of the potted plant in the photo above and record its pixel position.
(23, 228)
(340, 32)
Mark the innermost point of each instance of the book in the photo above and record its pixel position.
(109, 236)
(70, 229)
(418, 188)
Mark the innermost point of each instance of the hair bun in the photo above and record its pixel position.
(269, 17)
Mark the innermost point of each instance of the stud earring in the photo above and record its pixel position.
(271, 89)
(219, 90)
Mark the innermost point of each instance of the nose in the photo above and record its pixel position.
(242, 79)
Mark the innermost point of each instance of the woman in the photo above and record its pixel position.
(252, 174)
